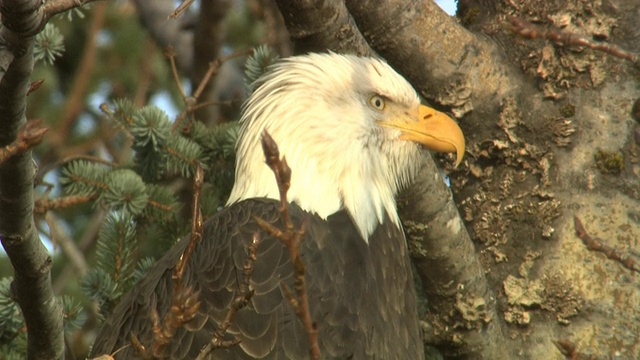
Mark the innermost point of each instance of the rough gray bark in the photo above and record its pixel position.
(447, 64)
(461, 318)
(31, 286)
(321, 25)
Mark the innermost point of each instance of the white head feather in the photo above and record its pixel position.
(317, 108)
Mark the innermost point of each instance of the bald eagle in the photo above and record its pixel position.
(352, 130)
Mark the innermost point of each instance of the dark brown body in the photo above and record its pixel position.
(361, 295)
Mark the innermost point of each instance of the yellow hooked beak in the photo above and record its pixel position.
(433, 129)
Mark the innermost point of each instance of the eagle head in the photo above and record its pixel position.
(352, 130)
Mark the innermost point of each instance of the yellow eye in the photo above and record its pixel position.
(377, 102)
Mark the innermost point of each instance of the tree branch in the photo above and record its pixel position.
(451, 274)
(168, 32)
(207, 43)
(416, 38)
(53, 7)
(31, 286)
(322, 25)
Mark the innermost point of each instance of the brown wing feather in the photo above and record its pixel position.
(361, 296)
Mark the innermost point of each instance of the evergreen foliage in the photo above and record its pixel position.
(49, 44)
(10, 319)
(13, 340)
(139, 174)
(83, 178)
(257, 64)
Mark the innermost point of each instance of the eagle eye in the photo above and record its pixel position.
(377, 102)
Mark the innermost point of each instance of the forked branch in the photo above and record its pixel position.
(241, 300)
(290, 236)
(184, 301)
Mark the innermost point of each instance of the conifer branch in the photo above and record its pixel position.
(46, 169)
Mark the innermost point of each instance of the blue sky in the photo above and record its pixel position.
(448, 5)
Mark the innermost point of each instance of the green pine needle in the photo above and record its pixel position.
(219, 141)
(125, 192)
(257, 65)
(83, 178)
(150, 126)
(76, 12)
(150, 163)
(116, 247)
(101, 288)
(121, 114)
(184, 154)
(144, 265)
(49, 44)
(162, 203)
(10, 316)
(15, 350)
(74, 315)
(227, 140)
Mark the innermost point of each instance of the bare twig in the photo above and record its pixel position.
(595, 244)
(191, 101)
(180, 9)
(184, 306)
(241, 300)
(53, 7)
(290, 237)
(530, 31)
(170, 54)
(30, 135)
(110, 356)
(196, 226)
(88, 239)
(184, 301)
(45, 204)
(68, 246)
